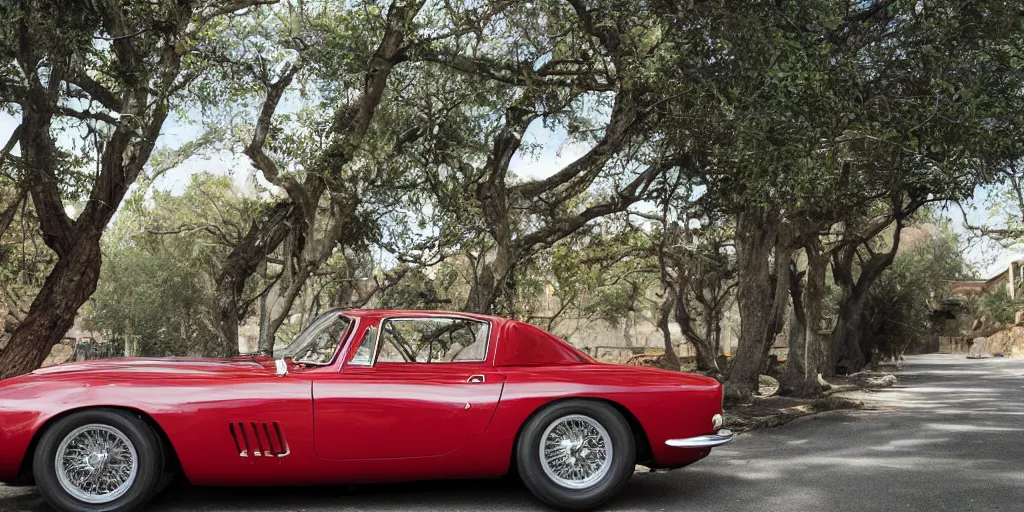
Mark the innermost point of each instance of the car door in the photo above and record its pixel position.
(411, 388)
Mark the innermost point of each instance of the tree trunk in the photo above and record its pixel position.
(628, 329)
(296, 214)
(52, 314)
(808, 349)
(761, 295)
(713, 331)
(704, 353)
(664, 312)
(848, 350)
(491, 281)
(263, 237)
(848, 337)
(277, 302)
(281, 312)
(266, 304)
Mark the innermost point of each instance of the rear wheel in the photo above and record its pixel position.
(576, 454)
(100, 460)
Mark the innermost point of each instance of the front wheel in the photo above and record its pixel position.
(100, 460)
(576, 454)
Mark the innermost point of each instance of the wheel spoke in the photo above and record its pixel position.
(575, 451)
(96, 463)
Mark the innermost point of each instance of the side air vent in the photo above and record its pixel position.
(259, 439)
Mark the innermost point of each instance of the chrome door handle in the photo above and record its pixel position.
(476, 379)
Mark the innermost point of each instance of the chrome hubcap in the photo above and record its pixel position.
(96, 463)
(575, 451)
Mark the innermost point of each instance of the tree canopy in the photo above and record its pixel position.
(630, 161)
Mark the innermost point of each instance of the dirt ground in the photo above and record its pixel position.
(771, 411)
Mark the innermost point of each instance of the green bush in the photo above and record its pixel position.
(901, 301)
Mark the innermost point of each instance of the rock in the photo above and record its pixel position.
(977, 349)
(63, 352)
(872, 380)
(767, 386)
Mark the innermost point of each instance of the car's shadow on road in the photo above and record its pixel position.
(643, 492)
(22, 499)
(434, 495)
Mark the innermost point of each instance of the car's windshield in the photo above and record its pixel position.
(317, 343)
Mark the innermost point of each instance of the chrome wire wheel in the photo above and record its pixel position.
(96, 463)
(575, 451)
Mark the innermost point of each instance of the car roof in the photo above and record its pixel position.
(383, 313)
(524, 344)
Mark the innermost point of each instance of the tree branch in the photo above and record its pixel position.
(586, 168)
(87, 115)
(256, 148)
(11, 142)
(557, 229)
(876, 7)
(517, 74)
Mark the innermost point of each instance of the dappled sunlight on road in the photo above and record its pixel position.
(969, 428)
(909, 444)
(947, 437)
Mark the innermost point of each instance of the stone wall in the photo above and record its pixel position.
(1008, 342)
(637, 333)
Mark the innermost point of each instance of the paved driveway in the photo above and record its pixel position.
(949, 437)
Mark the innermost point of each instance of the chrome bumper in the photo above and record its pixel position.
(723, 436)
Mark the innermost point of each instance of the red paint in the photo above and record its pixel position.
(533, 346)
(354, 424)
(392, 411)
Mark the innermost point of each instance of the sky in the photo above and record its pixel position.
(553, 151)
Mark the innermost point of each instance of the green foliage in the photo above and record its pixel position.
(421, 289)
(156, 288)
(815, 107)
(998, 307)
(902, 299)
(824, 114)
(150, 295)
(603, 273)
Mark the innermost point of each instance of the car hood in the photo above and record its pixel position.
(240, 366)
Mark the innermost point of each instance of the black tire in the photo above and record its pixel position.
(149, 461)
(621, 465)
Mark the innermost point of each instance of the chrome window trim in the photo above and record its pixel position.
(345, 342)
(351, 344)
(380, 330)
(342, 340)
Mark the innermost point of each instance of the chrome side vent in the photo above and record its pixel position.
(259, 439)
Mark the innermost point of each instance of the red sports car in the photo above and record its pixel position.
(360, 396)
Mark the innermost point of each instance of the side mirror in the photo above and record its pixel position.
(282, 367)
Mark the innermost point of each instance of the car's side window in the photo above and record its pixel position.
(317, 345)
(432, 340)
(363, 355)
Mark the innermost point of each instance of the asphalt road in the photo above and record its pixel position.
(950, 436)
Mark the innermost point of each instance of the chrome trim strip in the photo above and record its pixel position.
(345, 349)
(723, 436)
